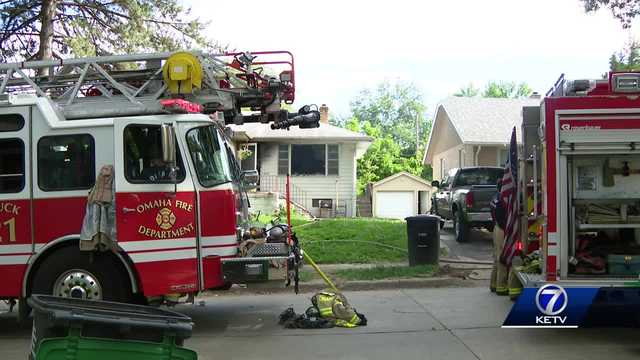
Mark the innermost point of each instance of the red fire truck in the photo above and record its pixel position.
(582, 162)
(153, 125)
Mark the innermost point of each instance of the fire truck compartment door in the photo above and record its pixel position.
(155, 215)
(619, 132)
(16, 239)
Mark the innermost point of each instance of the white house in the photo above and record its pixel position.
(321, 161)
(473, 131)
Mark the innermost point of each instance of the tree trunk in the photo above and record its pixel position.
(47, 12)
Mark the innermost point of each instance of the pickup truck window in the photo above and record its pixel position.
(476, 176)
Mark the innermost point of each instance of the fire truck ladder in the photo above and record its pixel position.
(125, 85)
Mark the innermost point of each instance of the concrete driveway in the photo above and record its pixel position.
(453, 323)
(479, 246)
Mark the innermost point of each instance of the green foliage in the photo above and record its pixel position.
(506, 89)
(380, 272)
(96, 27)
(468, 91)
(623, 10)
(497, 89)
(388, 114)
(354, 240)
(626, 60)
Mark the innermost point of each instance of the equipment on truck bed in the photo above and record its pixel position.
(582, 163)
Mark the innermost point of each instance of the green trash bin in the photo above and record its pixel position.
(70, 329)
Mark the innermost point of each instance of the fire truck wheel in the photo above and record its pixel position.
(70, 273)
(460, 227)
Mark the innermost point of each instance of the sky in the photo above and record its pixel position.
(343, 47)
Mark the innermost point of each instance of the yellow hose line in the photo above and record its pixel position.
(317, 269)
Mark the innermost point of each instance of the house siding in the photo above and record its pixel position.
(340, 187)
(451, 160)
(488, 156)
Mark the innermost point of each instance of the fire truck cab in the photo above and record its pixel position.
(171, 212)
(582, 163)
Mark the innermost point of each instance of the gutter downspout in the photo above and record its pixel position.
(475, 156)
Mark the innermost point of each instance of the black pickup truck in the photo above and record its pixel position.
(464, 197)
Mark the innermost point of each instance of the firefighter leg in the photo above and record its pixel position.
(515, 286)
(501, 271)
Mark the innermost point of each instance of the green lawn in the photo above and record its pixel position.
(387, 272)
(354, 240)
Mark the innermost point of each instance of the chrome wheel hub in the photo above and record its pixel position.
(79, 284)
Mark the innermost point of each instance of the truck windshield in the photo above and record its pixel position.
(209, 158)
(479, 176)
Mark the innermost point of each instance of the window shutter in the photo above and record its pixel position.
(283, 159)
(333, 163)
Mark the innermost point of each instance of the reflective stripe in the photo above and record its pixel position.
(157, 244)
(515, 291)
(14, 259)
(163, 255)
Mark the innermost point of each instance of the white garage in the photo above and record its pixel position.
(401, 195)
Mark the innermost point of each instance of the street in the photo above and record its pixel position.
(446, 323)
(479, 246)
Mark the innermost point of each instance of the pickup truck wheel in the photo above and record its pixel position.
(460, 227)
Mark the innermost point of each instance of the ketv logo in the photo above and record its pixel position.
(551, 300)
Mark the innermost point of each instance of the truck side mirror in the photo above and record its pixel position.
(435, 183)
(250, 179)
(168, 136)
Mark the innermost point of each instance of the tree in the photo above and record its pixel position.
(44, 29)
(394, 109)
(504, 89)
(623, 10)
(497, 89)
(626, 60)
(468, 91)
(388, 115)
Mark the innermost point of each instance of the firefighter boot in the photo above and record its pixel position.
(515, 286)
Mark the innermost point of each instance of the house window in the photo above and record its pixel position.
(322, 203)
(250, 157)
(333, 155)
(283, 159)
(502, 156)
(460, 158)
(11, 166)
(314, 159)
(308, 159)
(66, 162)
(442, 169)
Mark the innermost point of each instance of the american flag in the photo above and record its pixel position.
(509, 197)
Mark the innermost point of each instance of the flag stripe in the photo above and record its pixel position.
(509, 196)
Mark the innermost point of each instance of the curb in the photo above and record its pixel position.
(360, 285)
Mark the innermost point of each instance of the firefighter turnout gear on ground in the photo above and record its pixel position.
(330, 308)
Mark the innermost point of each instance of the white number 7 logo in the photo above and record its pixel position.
(556, 292)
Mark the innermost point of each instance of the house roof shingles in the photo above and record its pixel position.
(485, 120)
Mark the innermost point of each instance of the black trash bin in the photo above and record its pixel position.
(423, 233)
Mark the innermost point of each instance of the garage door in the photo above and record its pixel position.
(394, 204)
